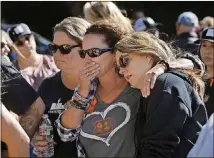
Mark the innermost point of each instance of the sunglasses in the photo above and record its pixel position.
(93, 52)
(20, 42)
(124, 61)
(64, 49)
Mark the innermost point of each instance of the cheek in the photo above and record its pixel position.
(137, 68)
(75, 59)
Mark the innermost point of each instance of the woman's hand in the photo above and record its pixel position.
(149, 79)
(88, 73)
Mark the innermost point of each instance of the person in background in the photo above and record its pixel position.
(18, 96)
(95, 11)
(41, 43)
(207, 21)
(187, 27)
(5, 44)
(147, 24)
(206, 52)
(135, 14)
(33, 66)
(58, 89)
(204, 145)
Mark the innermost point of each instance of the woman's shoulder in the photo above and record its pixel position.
(172, 81)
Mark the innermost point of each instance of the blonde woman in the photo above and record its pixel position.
(174, 105)
(58, 89)
(95, 11)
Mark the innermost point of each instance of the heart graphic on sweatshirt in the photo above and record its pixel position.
(103, 115)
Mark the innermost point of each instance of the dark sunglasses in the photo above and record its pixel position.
(93, 52)
(21, 43)
(64, 49)
(124, 61)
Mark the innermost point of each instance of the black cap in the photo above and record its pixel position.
(18, 31)
(207, 34)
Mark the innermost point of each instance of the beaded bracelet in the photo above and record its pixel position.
(77, 104)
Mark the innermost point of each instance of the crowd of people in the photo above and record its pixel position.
(111, 87)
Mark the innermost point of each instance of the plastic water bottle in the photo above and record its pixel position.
(46, 130)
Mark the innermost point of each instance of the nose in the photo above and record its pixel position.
(87, 56)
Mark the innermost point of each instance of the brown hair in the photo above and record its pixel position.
(147, 44)
(74, 27)
(113, 32)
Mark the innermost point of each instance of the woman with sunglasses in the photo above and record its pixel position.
(58, 89)
(175, 104)
(33, 66)
(102, 113)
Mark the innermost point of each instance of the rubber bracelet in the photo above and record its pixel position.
(77, 105)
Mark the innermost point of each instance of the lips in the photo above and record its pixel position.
(208, 58)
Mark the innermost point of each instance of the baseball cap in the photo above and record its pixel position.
(207, 34)
(18, 31)
(144, 23)
(188, 19)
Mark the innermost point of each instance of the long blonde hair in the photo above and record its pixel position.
(96, 11)
(147, 44)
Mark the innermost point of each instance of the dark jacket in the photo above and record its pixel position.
(169, 119)
(185, 41)
(210, 95)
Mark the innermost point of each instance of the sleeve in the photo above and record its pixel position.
(165, 116)
(65, 133)
(17, 95)
(71, 134)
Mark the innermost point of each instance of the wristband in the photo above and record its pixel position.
(76, 104)
(81, 102)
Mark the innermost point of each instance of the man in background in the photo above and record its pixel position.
(33, 66)
(187, 26)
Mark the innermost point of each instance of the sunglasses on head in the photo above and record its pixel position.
(64, 49)
(124, 61)
(93, 52)
(21, 42)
